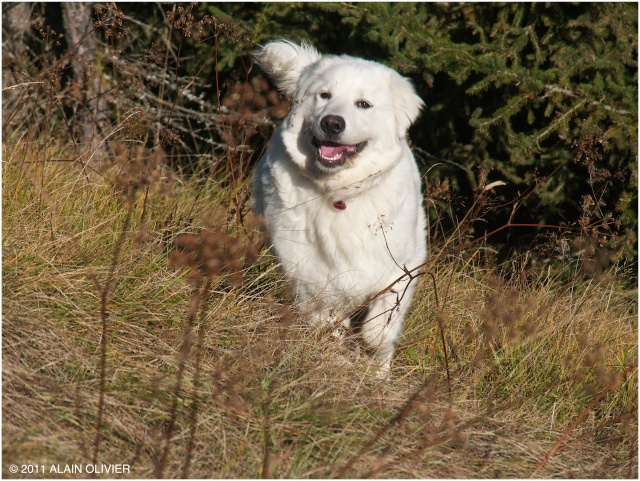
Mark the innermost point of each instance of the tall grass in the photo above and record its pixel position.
(145, 324)
(223, 372)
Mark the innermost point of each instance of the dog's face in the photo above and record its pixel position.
(349, 116)
(346, 111)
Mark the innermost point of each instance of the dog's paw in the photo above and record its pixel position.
(339, 333)
(382, 373)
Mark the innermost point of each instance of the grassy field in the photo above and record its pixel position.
(119, 348)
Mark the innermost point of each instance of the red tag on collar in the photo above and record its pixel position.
(340, 205)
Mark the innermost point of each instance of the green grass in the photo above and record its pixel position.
(222, 377)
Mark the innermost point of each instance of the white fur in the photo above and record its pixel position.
(335, 260)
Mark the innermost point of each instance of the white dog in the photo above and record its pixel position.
(340, 190)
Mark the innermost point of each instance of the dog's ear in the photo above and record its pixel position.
(284, 61)
(407, 104)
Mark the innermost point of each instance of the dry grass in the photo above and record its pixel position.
(113, 352)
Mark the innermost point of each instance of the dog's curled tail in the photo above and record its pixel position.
(284, 61)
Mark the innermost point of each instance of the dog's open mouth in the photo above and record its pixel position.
(333, 154)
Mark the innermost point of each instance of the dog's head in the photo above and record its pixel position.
(346, 111)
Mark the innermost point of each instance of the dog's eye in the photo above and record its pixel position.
(325, 95)
(363, 104)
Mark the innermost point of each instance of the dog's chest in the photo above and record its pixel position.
(345, 230)
(350, 246)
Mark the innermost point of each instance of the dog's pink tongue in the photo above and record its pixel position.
(330, 150)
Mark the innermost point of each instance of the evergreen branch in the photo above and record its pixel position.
(569, 93)
(549, 89)
(559, 121)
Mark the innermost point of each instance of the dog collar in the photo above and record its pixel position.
(340, 205)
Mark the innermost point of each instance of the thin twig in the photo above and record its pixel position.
(104, 299)
(184, 354)
(193, 415)
(441, 329)
(23, 84)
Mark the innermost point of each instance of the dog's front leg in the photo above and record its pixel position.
(383, 324)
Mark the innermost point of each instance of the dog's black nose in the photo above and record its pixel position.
(332, 124)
